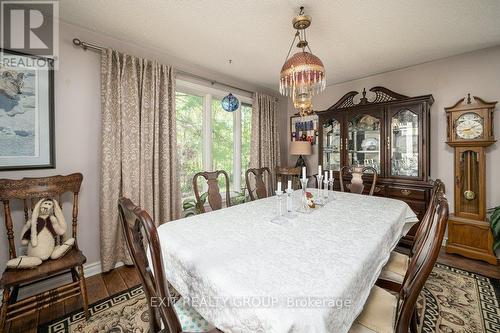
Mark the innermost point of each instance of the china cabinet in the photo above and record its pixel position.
(389, 132)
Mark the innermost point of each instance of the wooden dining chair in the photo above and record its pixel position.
(214, 197)
(394, 271)
(284, 174)
(385, 312)
(28, 191)
(356, 185)
(141, 234)
(261, 190)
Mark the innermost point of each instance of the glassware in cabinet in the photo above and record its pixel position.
(332, 145)
(363, 141)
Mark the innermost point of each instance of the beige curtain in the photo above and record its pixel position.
(139, 159)
(265, 146)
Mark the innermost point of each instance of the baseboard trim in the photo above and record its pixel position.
(90, 269)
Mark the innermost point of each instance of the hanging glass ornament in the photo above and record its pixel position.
(230, 103)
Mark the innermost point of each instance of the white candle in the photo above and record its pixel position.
(319, 169)
(289, 185)
(303, 172)
(331, 174)
(279, 186)
(326, 176)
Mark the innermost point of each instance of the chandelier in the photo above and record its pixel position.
(302, 75)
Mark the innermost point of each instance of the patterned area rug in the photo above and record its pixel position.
(452, 301)
(457, 301)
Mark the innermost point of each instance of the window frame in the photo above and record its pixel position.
(208, 94)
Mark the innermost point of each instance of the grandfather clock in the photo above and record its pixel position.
(470, 132)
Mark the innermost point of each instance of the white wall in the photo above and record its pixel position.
(448, 80)
(77, 126)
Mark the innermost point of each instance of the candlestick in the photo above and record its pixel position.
(319, 191)
(289, 203)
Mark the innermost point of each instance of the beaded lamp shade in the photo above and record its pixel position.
(303, 74)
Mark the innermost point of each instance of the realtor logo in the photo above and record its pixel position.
(30, 27)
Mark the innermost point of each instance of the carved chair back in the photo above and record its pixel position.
(421, 264)
(356, 185)
(29, 191)
(141, 234)
(261, 190)
(214, 197)
(424, 226)
(284, 174)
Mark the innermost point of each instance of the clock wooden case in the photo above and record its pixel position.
(470, 131)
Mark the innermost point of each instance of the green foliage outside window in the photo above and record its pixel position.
(189, 114)
(246, 132)
(222, 142)
(189, 110)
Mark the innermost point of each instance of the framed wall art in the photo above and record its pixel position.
(26, 111)
(304, 128)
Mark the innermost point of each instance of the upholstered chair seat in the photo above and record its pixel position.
(396, 267)
(379, 313)
(390, 312)
(190, 319)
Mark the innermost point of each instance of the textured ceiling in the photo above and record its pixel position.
(354, 38)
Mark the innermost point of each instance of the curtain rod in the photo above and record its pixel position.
(94, 47)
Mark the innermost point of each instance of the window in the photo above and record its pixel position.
(189, 112)
(222, 141)
(209, 138)
(246, 132)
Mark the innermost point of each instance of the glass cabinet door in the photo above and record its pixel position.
(332, 145)
(404, 149)
(364, 146)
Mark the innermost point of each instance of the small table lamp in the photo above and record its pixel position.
(301, 148)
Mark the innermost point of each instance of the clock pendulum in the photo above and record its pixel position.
(469, 194)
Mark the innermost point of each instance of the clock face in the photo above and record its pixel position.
(469, 126)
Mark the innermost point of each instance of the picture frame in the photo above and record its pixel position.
(27, 138)
(304, 128)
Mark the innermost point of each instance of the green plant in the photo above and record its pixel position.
(189, 206)
(495, 226)
(239, 198)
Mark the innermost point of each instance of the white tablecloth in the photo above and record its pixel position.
(245, 274)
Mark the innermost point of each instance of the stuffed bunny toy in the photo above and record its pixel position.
(39, 233)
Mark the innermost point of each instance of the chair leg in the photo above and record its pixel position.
(13, 295)
(3, 309)
(414, 321)
(83, 290)
(74, 274)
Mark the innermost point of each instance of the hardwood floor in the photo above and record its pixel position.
(474, 266)
(104, 285)
(98, 286)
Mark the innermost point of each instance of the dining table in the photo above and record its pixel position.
(312, 272)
